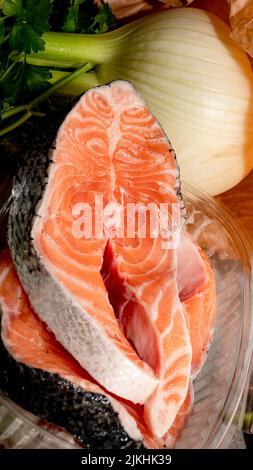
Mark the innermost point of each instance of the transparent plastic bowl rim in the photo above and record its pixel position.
(243, 374)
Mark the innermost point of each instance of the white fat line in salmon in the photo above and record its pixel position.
(4, 274)
(13, 308)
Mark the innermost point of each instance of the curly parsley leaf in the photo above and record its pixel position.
(71, 19)
(22, 25)
(13, 8)
(23, 38)
(4, 59)
(1, 31)
(38, 14)
(31, 19)
(87, 13)
(84, 16)
(36, 78)
(12, 84)
(20, 82)
(103, 20)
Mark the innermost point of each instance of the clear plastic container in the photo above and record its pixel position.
(221, 387)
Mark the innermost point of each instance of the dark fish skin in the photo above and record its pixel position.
(28, 187)
(29, 147)
(87, 416)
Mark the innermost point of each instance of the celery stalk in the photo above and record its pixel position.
(69, 50)
(76, 86)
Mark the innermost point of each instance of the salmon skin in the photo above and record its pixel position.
(110, 144)
(88, 416)
(39, 375)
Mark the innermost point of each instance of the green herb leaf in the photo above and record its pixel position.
(37, 15)
(70, 21)
(12, 7)
(1, 31)
(23, 38)
(12, 84)
(103, 20)
(36, 78)
(85, 22)
(71, 18)
(21, 34)
(4, 59)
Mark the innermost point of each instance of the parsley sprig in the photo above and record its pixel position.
(22, 26)
(84, 17)
(23, 86)
(31, 21)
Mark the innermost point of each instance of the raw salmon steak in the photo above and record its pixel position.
(39, 375)
(111, 301)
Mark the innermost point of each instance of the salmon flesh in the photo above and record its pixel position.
(131, 309)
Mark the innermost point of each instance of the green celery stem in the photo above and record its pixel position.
(75, 87)
(248, 422)
(70, 50)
